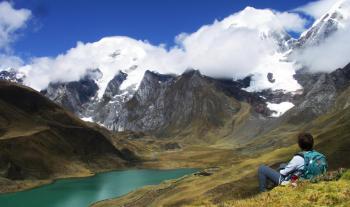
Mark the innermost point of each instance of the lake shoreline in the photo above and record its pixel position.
(84, 191)
(26, 185)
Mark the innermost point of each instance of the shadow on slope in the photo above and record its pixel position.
(40, 140)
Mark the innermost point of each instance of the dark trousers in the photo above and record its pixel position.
(266, 173)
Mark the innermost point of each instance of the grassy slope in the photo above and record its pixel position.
(326, 193)
(223, 184)
(40, 141)
(236, 178)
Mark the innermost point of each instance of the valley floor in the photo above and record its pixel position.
(231, 181)
(226, 176)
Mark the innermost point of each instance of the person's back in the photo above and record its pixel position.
(306, 164)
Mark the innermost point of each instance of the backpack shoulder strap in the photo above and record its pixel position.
(301, 154)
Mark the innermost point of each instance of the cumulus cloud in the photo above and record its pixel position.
(291, 21)
(11, 20)
(241, 44)
(110, 55)
(317, 9)
(333, 52)
(9, 61)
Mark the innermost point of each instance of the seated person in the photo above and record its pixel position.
(306, 164)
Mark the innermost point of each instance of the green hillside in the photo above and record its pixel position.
(40, 141)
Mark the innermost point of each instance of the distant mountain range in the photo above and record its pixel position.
(171, 105)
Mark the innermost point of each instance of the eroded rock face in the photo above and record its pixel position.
(320, 93)
(324, 27)
(106, 109)
(114, 85)
(162, 105)
(341, 77)
(145, 111)
(165, 105)
(317, 101)
(168, 105)
(235, 89)
(318, 33)
(72, 95)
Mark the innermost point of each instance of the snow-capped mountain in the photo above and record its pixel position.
(122, 94)
(336, 18)
(264, 25)
(73, 95)
(157, 104)
(12, 75)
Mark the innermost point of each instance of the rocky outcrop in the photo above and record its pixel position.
(320, 93)
(162, 105)
(73, 95)
(317, 101)
(324, 27)
(236, 89)
(145, 111)
(166, 104)
(114, 85)
(107, 109)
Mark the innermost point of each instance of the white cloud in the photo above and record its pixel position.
(291, 21)
(109, 55)
(8, 61)
(333, 52)
(234, 47)
(317, 9)
(237, 46)
(265, 19)
(11, 20)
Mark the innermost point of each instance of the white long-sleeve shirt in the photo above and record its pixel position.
(297, 163)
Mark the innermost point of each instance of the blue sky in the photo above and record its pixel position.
(56, 26)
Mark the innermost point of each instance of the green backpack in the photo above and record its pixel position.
(315, 164)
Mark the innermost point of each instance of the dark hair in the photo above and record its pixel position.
(305, 141)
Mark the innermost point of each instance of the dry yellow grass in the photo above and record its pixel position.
(326, 193)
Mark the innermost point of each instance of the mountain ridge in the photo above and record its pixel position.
(39, 140)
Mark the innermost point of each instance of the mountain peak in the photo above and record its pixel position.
(12, 75)
(191, 72)
(337, 17)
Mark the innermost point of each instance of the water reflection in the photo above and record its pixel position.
(84, 191)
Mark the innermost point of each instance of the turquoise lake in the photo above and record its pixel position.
(81, 192)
